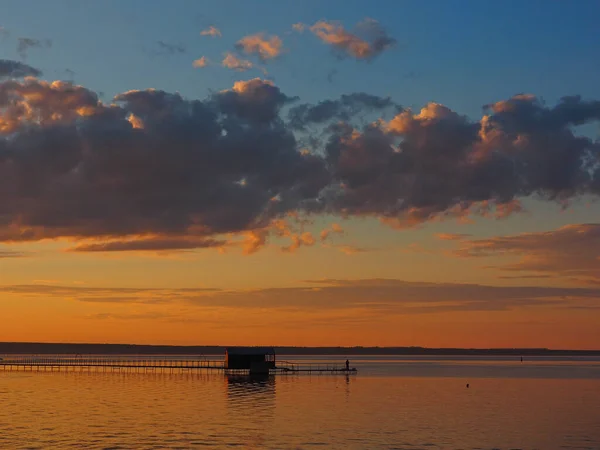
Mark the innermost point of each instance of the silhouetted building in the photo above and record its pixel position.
(253, 359)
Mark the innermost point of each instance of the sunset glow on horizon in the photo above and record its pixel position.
(313, 175)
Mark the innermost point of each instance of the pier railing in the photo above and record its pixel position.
(150, 363)
(324, 367)
(110, 361)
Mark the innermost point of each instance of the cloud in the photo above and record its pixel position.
(524, 277)
(451, 236)
(368, 40)
(352, 249)
(261, 45)
(148, 244)
(147, 296)
(201, 62)
(211, 31)
(25, 43)
(254, 241)
(334, 228)
(155, 167)
(255, 100)
(437, 164)
(305, 239)
(233, 62)
(167, 49)
(11, 254)
(570, 252)
(343, 109)
(45, 105)
(16, 69)
(383, 296)
(150, 164)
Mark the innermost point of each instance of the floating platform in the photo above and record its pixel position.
(87, 363)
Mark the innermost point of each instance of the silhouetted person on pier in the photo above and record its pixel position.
(347, 365)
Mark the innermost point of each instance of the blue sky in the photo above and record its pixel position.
(462, 54)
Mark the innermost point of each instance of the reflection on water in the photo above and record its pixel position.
(255, 390)
(386, 410)
(251, 404)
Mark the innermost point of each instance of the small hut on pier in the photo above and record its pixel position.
(255, 360)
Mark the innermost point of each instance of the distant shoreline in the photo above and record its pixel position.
(134, 349)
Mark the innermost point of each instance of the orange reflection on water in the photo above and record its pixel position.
(99, 410)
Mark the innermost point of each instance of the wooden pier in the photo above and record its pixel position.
(164, 364)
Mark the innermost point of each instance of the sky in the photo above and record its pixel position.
(300, 173)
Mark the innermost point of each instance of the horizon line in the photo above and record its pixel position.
(308, 347)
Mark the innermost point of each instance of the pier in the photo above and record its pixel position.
(164, 364)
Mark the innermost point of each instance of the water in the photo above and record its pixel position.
(401, 403)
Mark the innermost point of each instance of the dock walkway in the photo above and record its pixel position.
(89, 363)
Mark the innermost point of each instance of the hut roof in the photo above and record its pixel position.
(250, 350)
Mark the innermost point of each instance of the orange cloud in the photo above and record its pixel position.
(44, 103)
(298, 27)
(233, 62)
(451, 236)
(305, 239)
(363, 312)
(135, 121)
(334, 228)
(379, 295)
(211, 31)
(351, 249)
(368, 41)
(570, 252)
(261, 45)
(201, 62)
(255, 240)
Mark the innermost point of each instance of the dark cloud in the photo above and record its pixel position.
(163, 48)
(152, 164)
(437, 163)
(344, 109)
(569, 252)
(16, 69)
(24, 44)
(88, 293)
(524, 277)
(171, 172)
(255, 100)
(149, 244)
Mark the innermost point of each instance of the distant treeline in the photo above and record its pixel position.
(131, 349)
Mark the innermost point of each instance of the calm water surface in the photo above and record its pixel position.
(415, 403)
